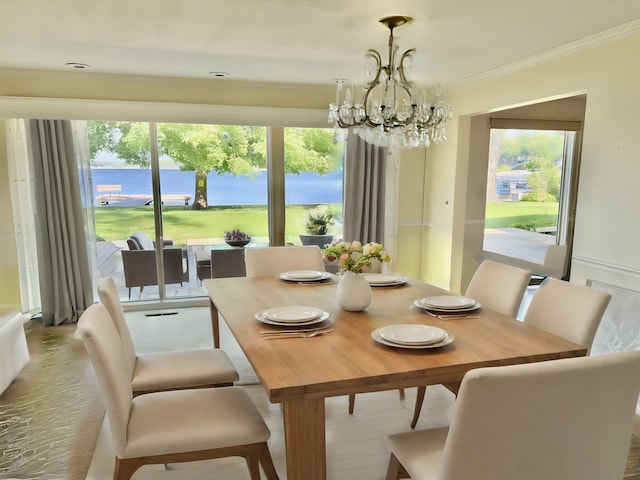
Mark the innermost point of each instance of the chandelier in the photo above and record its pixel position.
(389, 114)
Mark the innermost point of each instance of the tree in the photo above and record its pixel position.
(495, 146)
(239, 150)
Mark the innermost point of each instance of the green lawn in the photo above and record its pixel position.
(182, 223)
(521, 214)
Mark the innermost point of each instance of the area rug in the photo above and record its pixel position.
(51, 415)
(632, 471)
(185, 328)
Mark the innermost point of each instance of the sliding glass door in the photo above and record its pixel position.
(194, 187)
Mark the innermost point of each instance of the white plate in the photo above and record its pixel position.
(304, 276)
(412, 334)
(292, 314)
(448, 302)
(445, 341)
(384, 279)
(419, 304)
(261, 318)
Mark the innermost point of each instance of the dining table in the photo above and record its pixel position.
(301, 372)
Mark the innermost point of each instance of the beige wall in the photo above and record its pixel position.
(441, 195)
(9, 279)
(607, 222)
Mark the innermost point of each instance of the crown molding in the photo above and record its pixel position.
(571, 48)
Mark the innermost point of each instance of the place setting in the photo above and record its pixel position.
(413, 336)
(385, 279)
(295, 321)
(447, 307)
(305, 276)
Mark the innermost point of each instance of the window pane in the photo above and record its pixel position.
(523, 193)
(313, 185)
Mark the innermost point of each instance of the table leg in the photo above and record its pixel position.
(304, 430)
(215, 326)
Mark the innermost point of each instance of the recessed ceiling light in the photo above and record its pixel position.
(78, 66)
(219, 74)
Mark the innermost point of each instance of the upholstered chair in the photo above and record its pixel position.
(267, 261)
(568, 419)
(496, 286)
(170, 426)
(171, 370)
(568, 310)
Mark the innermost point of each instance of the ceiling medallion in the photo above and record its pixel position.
(389, 113)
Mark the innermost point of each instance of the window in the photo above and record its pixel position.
(531, 195)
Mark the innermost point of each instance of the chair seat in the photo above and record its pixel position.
(419, 451)
(180, 369)
(192, 420)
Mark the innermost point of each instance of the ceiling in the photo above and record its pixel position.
(296, 41)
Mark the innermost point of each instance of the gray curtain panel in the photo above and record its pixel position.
(66, 286)
(364, 191)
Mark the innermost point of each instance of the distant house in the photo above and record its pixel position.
(512, 185)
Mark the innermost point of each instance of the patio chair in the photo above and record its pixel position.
(139, 263)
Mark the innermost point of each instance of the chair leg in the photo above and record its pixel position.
(264, 457)
(401, 390)
(352, 403)
(253, 466)
(418, 407)
(126, 467)
(393, 470)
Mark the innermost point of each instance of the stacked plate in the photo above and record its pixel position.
(384, 279)
(412, 336)
(447, 304)
(304, 276)
(294, 315)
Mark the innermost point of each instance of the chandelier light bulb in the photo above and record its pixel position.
(388, 113)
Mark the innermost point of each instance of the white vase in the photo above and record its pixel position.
(354, 292)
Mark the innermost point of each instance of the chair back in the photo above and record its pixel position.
(499, 287)
(268, 261)
(106, 353)
(567, 419)
(108, 294)
(568, 310)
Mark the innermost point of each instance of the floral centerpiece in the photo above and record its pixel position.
(355, 257)
(354, 292)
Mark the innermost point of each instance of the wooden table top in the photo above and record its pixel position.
(348, 360)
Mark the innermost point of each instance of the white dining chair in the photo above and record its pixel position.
(496, 286)
(568, 419)
(499, 287)
(268, 261)
(568, 310)
(170, 370)
(170, 426)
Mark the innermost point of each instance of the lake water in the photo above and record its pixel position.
(226, 189)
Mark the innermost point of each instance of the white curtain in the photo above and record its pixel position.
(66, 287)
(21, 185)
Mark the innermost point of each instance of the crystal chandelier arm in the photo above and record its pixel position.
(406, 55)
